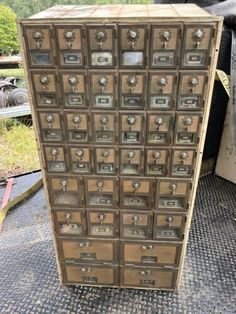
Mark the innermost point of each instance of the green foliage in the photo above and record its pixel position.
(8, 35)
(19, 73)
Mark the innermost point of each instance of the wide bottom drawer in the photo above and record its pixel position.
(90, 274)
(148, 277)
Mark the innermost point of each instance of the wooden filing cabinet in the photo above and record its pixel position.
(120, 99)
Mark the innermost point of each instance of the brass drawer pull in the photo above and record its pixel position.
(102, 81)
(165, 36)
(68, 218)
(183, 156)
(84, 244)
(105, 154)
(101, 217)
(80, 153)
(132, 81)
(38, 38)
(198, 36)
(77, 120)
(173, 187)
(159, 122)
(133, 36)
(169, 220)
(44, 80)
(100, 185)
(162, 82)
(101, 37)
(86, 270)
(147, 247)
(64, 183)
(156, 156)
(54, 153)
(193, 82)
(49, 119)
(136, 186)
(73, 81)
(130, 155)
(104, 121)
(145, 272)
(187, 121)
(69, 37)
(135, 219)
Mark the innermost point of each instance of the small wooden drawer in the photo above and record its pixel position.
(70, 222)
(150, 253)
(148, 278)
(44, 81)
(104, 128)
(183, 162)
(136, 193)
(132, 128)
(157, 161)
(169, 226)
(88, 250)
(105, 160)
(70, 43)
(50, 123)
(73, 82)
(55, 158)
(172, 194)
(131, 161)
(101, 191)
(80, 159)
(135, 225)
(78, 127)
(103, 223)
(66, 191)
(165, 45)
(187, 128)
(103, 90)
(159, 128)
(132, 44)
(90, 274)
(101, 45)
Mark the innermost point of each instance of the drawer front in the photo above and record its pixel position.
(70, 223)
(164, 46)
(39, 44)
(77, 126)
(132, 128)
(44, 82)
(50, 123)
(80, 159)
(55, 158)
(172, 194)
(66, 191)
(131, 161)
(198, 36)
(157, 161)
(169, 226)
(91, 274)
(135, 225)
(87, 250)
(105, 160)
(132, 41)
(103, 223)
(104, 128)
(144, 277)
(103, 90)
(136, 193)
(101, 46)
(73, 82)
(183, 161)
(101, 192)
(150, 253)
(159, 128)
(70, 43)
(187, 128)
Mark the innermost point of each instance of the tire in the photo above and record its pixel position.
(18, 97)
(3, 100)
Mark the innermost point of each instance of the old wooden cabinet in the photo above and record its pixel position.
(120, 98)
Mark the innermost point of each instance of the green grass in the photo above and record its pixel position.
(18, 148)
(12, 72)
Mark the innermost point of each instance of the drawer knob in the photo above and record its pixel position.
(135, 219)
(187, 121)
(131, 155)
(44, 80)
(131, 120)
(133, 36)
(54, 153)
(100, 185)
(183, 156)
(136, 185)
(49, 119)
(173, 187)
(80, 153)
(156, 155)
(64, 184)
(132, 80)
(101, 37)
(69, 37)
(159, 122)
(165, 36)
(145, 272)
(162, 82)
(104, 121)
(103, 81)
(146, 247)
(169, 220)
(105, 153)
(86, 270)
(73, 81)
(193, 83)
(68, 218)
(101, 217)
(77, 120)
(84, 244)
(38, 38)
(198, 36)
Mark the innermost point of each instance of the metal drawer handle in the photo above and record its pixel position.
(133, 36)
(101, 217)
(147, 247)
(73, 81)
(64, 184)
(132, 81)
(38, 37)
(101, 37)
(44, 80)
(135, 219)
(131, 119)
(193, 83)
(49, 119)
(104, 121)
(169, 220)
(77, 120)
(173, 187)
(86, 270)
(130, 155)
(162, 82)
(156, 155)
(68, 218)
(80, 153)
(69, 37)
(136, 185)
(145, 272)
(103, 81)
(54, 153)
(159, 122)
(183, 156)
(198, 36)
(100, 185)
(84, 244)
(187, 121)
(105, 154)
(165, 36)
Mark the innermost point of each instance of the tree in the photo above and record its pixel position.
(8, 34)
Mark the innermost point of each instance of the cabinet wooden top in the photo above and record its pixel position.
(134, 12)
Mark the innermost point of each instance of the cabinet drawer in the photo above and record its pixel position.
(70, 222)
(77, 126)
(132, 128)
(105, 160)
(157, 161)
(104, 128)
(50, 123)
(143, 277)
(80, 159)
(187, 128)
(198, 36)
(103, 223)
(66, 191)
(183, 161)
(150, 253)
(89, 250)
(169, 226)
(44, 82)
(131, 161)
(91, 275)
(135, 225)
(159, 129)
(55, 158)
